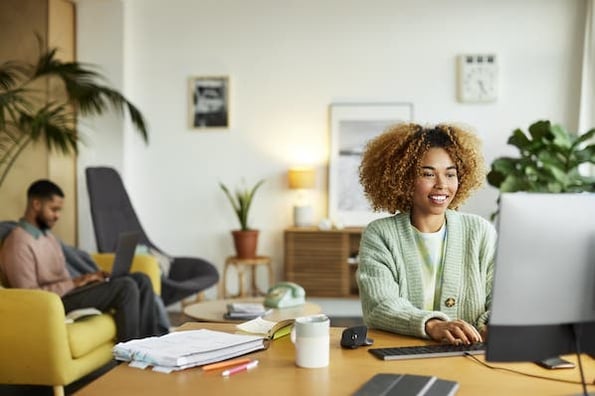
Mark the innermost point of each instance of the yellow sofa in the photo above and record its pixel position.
(37, 347)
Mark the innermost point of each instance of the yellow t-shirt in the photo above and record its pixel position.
(431, 248)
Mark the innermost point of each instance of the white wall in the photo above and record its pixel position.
(287, 62)
(99, 42)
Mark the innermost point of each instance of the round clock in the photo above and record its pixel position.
(478, 78)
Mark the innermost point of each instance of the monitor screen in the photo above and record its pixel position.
(544, 277)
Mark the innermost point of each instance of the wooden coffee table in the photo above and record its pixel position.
(212, 311)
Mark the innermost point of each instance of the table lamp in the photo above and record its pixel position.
(302, 179)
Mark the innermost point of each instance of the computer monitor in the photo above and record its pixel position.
(544, 277)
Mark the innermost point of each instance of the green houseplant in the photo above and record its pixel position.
(549, 161)
(28, 116)
(245, 239)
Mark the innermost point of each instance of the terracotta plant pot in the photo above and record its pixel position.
(245, 243)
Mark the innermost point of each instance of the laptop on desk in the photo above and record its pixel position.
(125, 249)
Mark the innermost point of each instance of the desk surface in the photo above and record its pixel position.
(277, 374)
(212, 311)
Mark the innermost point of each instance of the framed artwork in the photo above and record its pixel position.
(209, 102)
(352, 125)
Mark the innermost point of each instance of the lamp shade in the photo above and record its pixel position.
(301, 178)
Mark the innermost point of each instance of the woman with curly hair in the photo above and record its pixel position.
(426, 271)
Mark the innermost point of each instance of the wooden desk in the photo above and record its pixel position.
(277, 374)
(212, 311)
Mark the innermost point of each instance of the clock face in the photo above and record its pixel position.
(478, 78)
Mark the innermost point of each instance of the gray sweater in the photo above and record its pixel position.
(390, 279)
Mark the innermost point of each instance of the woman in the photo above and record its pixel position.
(426, 271)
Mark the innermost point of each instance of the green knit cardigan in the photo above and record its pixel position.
(390, 280)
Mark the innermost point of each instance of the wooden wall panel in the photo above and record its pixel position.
(62, 169)
(53, 21)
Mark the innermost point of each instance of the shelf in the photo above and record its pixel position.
(319, 260)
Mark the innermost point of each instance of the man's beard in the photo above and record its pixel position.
(42, 223)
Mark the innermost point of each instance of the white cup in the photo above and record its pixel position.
(310, 334)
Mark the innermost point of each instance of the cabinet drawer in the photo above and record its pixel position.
(318, 260)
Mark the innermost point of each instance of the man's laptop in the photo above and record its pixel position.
(125, 249)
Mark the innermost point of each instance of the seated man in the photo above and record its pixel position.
(32, 257)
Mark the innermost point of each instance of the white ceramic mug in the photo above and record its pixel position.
(310, 334)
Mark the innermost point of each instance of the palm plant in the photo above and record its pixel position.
(241, 201)
(26, 115)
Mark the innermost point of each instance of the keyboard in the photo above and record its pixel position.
(427, 351)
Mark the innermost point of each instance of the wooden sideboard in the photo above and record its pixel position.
(323, 262)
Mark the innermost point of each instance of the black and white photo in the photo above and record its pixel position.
(209, 107)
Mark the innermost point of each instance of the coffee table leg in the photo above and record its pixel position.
(254, 291)
(270, 280)
(240, 274)
(241, 278)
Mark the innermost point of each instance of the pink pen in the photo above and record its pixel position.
(240, 368)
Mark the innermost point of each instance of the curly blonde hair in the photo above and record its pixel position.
(391, 162)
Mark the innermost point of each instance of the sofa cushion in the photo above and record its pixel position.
(90, 332)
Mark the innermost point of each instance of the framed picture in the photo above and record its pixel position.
(209, 102)
(352, 125)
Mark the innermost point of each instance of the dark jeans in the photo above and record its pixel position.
(130, 297)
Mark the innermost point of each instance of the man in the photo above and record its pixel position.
(32, 257)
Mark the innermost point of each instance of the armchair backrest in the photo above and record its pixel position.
(111, 209)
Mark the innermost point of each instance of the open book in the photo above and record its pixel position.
(80, 313)
(267, 328)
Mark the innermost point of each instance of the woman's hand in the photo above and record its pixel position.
(88, 278)
(452, 332)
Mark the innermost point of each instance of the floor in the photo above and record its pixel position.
(342, 313)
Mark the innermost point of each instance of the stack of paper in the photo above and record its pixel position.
(184, 349)
(245, 310)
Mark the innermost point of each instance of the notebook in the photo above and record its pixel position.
(407, 385)
(125, 249)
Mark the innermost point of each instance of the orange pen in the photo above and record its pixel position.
(227, 363)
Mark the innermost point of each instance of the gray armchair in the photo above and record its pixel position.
(112, 213)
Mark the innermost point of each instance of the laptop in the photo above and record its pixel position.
(125, 249)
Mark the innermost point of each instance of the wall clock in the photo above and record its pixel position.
(477, 78)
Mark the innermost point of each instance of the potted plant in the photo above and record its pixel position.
(245, 239)
(549, 161)
(27, 116)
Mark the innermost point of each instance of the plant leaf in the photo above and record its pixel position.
(584, 137)
(585, 155)
(512, 183)
(519, 140)
(26, 116)
(561, 137)
(505, 164)
(241, 202)
(541, 130)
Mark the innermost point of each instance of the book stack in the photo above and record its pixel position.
(184, 349)
(245, 311)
